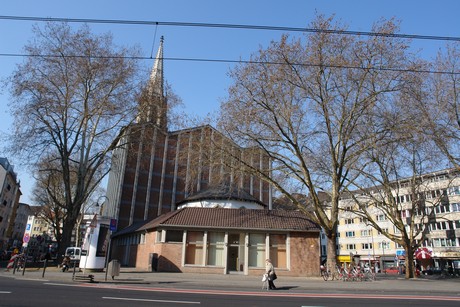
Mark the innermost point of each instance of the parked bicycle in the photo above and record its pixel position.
(326, 273)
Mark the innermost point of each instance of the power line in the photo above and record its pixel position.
(231, 26)
(239, 61)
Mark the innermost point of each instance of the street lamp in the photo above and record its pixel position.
(101, 206)
(383, 256)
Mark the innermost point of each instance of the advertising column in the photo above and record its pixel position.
(95, 245)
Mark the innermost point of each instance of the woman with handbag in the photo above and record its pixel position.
(270, 270)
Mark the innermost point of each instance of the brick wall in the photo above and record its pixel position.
(305, 254)
(304, 257)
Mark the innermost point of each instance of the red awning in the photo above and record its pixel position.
(422, 253)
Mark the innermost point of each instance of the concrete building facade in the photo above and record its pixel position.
(441, 248)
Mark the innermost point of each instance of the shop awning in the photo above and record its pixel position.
(423, 253)
(371, 258)
(343, 258)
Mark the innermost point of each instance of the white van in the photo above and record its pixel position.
(74, 253)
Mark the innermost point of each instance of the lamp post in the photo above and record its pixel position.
(383, 256)
(373, 248)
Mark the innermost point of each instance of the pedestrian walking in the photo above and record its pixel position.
(270, 271)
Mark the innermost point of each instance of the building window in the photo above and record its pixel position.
(366, 246)
(256, 250)
(457, 224)
(439, 226)
(365, 233)
(194, 248)
(454, 191)
(174, 236)
(216, 248)
(278, 250)
(381, 217)
(350, 234)
(351, 246)
(455, 207)
(349, 221)
(443, 242)
(441, 209)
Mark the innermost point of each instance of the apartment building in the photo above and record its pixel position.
(359, 242)
(9, 200)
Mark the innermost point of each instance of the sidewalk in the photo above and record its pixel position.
(385, 284)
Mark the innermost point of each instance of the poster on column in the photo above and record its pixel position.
(102, 240)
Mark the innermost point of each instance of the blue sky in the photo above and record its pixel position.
(202, 85)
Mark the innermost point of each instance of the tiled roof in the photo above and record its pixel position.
(221, 218)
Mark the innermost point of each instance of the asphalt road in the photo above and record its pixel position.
(38, 292)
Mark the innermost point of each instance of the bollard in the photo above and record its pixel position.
(15, 264)
(24, 261)
(45, 262)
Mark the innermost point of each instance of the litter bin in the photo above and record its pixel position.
(114, 268)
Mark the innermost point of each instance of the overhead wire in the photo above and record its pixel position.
(228, 26)
(380, 68)
(236, 26)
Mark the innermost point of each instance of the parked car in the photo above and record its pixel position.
(391, 270)
(399, 270)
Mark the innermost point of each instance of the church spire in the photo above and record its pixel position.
(156, 82)
(153, 106)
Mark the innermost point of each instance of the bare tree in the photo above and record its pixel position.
(392, 185)
(49, 194)
(438, 103)
(71, 99)
(303, 103)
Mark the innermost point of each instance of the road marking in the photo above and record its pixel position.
(270, 293)
(148, 300)
(5, 292)
(32, 279)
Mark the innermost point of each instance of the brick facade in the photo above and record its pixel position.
(303, 252)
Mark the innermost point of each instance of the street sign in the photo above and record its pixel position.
(26, 238)
(113, 224)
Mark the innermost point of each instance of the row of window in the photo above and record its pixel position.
(443, 225)
(368, 246)
(436, 242)
(454, 207)
(379, 217)
(208, 248)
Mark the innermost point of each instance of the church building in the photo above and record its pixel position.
(180, 207)
(156, 168)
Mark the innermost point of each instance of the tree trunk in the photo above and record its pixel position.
(410, 265)
(332, 250)
(66, 237)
